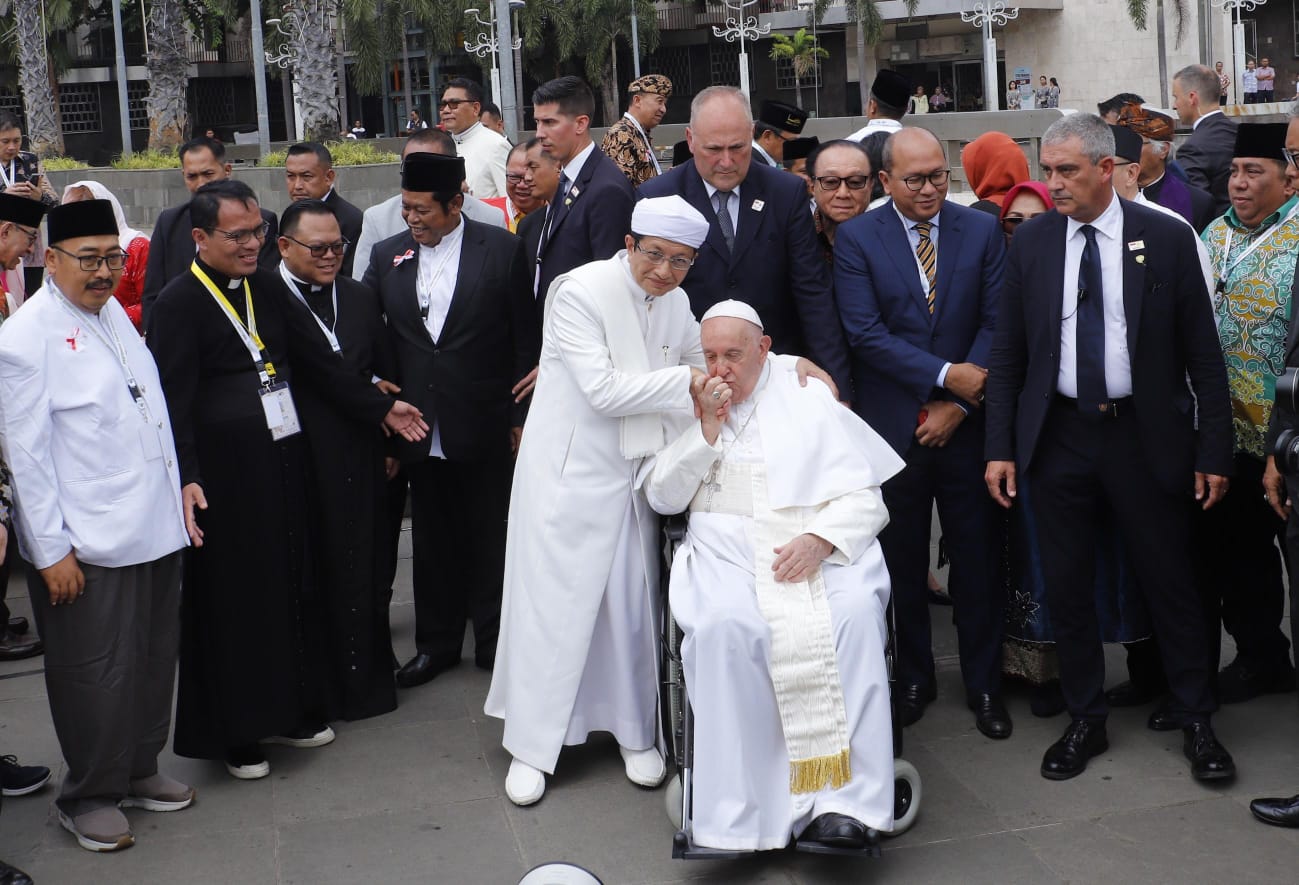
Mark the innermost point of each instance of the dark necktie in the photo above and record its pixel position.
(551, 211)
(1091, 328)
(724, 219)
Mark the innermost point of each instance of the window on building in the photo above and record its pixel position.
(137, 103)
(724, 63)
(79, 106)
(673, 62)
(214, 101)
(785, 74)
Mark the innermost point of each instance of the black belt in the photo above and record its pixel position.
(1110, 408)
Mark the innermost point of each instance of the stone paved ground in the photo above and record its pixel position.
(417, 797)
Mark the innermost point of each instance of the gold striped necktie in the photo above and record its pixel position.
(928, 258)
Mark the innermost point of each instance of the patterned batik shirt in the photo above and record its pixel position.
(628, 149)
(1254, 270)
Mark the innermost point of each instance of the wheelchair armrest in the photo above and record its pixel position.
(674, 527)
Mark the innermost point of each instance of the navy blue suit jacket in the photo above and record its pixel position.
(589, 224)
(777, 266)
(898, 347)
(1171, 337)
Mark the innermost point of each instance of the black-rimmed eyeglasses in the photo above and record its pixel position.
(92, 263)
(243, 236)
(834, 182)
(319, 251)
(937, 179)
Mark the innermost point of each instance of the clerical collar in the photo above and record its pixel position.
(1282, 211)
(300, 281)
(222, 281)
(1156, 181)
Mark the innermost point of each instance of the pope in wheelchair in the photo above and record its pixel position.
(781, 591)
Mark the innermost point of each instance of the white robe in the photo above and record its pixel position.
(577, 649)
(742, 797)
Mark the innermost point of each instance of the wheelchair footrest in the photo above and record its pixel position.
(872, 848)
(683, 848)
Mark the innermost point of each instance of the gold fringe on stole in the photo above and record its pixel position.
(810, 775)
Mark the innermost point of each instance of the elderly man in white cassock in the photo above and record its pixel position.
(780, 589)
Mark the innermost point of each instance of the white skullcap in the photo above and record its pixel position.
(737, 309)
(670, 218)
(559, 874)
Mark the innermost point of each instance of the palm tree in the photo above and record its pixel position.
(168, 65)
(33, 23)
(1137, 11)
(870, 30)
(804, 54)
(315, 67)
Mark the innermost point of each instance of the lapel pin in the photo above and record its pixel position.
(757, 205)
(72, 339)
(1141, 259)
(1136, 244)
(398, 259)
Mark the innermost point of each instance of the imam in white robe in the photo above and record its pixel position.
(821, 466)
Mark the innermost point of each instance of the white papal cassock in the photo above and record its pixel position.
(815, 465)
(578, 646)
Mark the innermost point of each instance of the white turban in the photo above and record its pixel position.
(737, 309)
(670, 218)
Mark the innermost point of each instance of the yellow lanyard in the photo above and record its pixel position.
(248, 333)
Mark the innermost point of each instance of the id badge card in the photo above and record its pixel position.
(151, 442)
(281, 415)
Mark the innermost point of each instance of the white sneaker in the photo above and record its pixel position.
(303, 738)
(524, 785)
(644, 767)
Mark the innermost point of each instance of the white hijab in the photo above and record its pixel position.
(126, 234)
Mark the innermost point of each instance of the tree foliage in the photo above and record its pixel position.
(803, 52)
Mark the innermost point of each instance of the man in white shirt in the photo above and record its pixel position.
(485, 150)
(887, 105)
(85, 430)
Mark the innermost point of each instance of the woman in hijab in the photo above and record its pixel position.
(134, 243)
(1022, 202)
(993, 164)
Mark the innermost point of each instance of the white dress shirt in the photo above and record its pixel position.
(574, 166)
(1199, 120)
(435, 283)
(766, 157)
(384, 220)
(732, 207)
(879, 124)
(1118, 364)
(913, 237)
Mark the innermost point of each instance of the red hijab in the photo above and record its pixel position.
(1036, 187)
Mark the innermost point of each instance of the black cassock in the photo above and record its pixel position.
(348, 498)
(252, 633)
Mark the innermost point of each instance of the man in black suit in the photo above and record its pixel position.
(1206, 153)
(309, 175)
(917, 281)
(1088, 402)
(171, 248)
(460, 320)
(762, 249)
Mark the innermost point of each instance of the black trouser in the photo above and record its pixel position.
(1239, 566)
(458, 515)
(396, 489)
(1081, 462)
(952, 476)
(1292, 550)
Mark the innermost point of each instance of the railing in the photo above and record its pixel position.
(97, 49)
(231, 51)
(688, 16)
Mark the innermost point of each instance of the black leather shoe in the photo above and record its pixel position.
(1068, 756)
(1239, 682)
(422, 668)
(1209, 759)
(991, 717)
(1129, 694)
(18, 625)
(1280, 812)
(15, 648)
(1162, 719)
(837, 831)
(13, 876)
(912, 700)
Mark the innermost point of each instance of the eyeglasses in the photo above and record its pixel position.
(676, 262)
(1291, 156)
(513, 177)
(92, 263)
(319, 251)
(833, 182)
(453, 103)
(937, 179)
(242, 236)
(30, 234)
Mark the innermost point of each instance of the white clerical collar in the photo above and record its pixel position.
(463, 135)
(451, 239)
(297, 279)
(574, 166)
(1155, 182)
(1110, 222)
(1196, 124)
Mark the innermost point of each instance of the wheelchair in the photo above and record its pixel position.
(678, 726)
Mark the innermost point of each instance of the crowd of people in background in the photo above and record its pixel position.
(211, 433)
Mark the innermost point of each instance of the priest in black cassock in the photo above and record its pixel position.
(346, 489)
(461, 319)
(227, 348)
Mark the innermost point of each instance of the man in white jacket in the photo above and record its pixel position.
(85, 430)
(780, 589)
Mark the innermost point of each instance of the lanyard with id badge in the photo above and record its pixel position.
(277, 401)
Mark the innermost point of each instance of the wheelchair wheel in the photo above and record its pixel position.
(672, 800)
(906, 796)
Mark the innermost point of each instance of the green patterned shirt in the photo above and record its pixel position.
(1252, 308)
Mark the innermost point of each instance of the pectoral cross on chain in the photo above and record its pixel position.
(711, 484)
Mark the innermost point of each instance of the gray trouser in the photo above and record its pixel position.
(110, 665)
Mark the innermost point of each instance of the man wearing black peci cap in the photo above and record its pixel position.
(796, 153)
(85, 430)
(887, 105)
(777, 124)
(461, 321)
